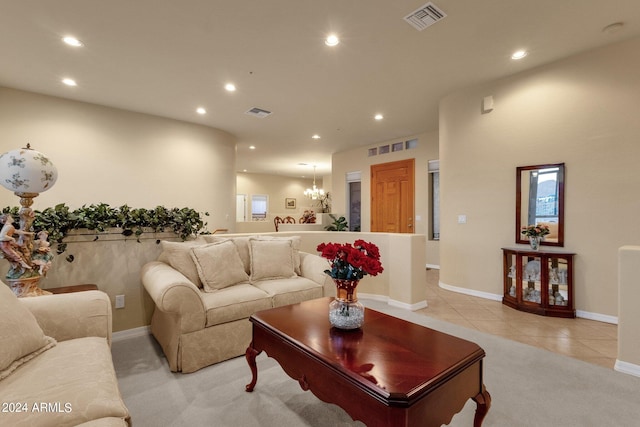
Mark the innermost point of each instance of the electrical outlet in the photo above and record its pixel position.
(462, 219)
(119, 301)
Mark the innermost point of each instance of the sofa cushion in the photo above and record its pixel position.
(218, 265)
(290, 291)
(77, 375)
(178, 256)
(233, 303)
(271, 259)
(21, 338)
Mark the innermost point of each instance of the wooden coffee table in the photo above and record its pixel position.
(388, 373)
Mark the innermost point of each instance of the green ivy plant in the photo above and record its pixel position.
(59, 220)
(338, 224)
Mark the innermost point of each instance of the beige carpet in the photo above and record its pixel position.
(529, 387)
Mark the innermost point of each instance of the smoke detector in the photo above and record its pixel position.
(258, 112)
(425, 16)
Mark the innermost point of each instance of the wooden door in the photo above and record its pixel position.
(392, 196)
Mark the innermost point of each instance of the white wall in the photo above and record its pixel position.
(121, 157)
(582, 111)
(357, 160)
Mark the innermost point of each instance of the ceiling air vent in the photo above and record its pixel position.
(258, 112)
(424, 17)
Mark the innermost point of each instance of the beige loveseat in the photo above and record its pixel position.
(205, 290)
(55, 361)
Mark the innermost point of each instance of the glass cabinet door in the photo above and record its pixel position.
(510, 276)
(531, 279)
(558, 281)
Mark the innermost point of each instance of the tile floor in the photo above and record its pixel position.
(588, 340)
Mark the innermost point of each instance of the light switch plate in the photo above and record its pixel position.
(119, 301)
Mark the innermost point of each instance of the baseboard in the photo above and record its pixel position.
(473, 293)
(373, 297)
(394, 303)
(498, 297)
(597, 316)
(130, 333)
(627, 368)
(405, 306)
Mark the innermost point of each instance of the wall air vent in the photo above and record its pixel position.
(258, 112)
(424, 17)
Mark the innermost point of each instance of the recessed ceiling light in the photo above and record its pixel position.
(378, 117)
(331, 40)
(252, 147)
(69, 82)
(201, 110)
(519, 54)
(316, 136)
(230, 87)
(72, 41)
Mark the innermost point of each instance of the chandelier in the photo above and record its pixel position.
(314, 193)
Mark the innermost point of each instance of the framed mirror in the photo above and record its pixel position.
(540, 199)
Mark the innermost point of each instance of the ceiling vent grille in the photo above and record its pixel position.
(424, 17)
(258, 112)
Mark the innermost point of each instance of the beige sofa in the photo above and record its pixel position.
(55, 361)
(205, 290)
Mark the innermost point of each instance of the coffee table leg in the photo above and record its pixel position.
(250, 355)
(483, 403)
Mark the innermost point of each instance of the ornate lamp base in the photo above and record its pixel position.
(27, 287)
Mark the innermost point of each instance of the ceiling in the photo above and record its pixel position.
(168, 58)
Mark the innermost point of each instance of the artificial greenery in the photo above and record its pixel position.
(338, 224)
(59, 220)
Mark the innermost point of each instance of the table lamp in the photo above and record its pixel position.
(27, 173)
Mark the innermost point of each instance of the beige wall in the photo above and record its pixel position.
(357, 160)
(278, 188)
(628, 359)
(582, 111)
(118, 157)
(121, 157)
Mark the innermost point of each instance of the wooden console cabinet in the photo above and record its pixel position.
(539, 282)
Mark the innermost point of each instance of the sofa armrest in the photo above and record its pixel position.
(312, 267)
(173, 293)
(73, 315)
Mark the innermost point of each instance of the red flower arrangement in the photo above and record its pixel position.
(351, 262)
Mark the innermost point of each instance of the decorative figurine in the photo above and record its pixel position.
(11, 249)
(42, 254)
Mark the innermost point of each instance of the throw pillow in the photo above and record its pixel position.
(21, 338)
(178, 256)
(218, 265)
(242, 246)
(295, 243)
(271, 259)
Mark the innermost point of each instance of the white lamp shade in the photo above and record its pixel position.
(27, 171)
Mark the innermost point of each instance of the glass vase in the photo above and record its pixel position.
(345, 312)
